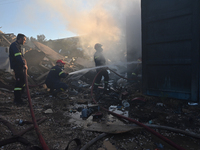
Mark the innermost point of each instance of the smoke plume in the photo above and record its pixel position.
(95, 21)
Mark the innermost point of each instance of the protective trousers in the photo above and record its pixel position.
(19, 84)
(57, 87)
(103, 73)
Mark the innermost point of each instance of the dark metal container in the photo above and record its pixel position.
(170, 48)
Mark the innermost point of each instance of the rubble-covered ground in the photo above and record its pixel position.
(63, 122)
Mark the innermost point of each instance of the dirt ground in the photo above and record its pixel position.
(63, 122)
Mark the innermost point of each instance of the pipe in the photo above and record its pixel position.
(85, 147)
(134, 121)
(192, 134)
(43, 143)
(119, 75)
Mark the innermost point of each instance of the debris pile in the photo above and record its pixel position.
(77, 116)
(6, 39)
(7, 80)
(79, 113)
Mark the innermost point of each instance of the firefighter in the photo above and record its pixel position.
(136, 75)
(53, 80)
(100, 60)
(137, 71)
(17, 63)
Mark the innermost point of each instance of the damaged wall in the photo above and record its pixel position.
(4, 59)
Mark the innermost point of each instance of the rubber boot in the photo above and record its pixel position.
(17, 99)
(23, 93)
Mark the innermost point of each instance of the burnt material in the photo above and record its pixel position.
(17, 136)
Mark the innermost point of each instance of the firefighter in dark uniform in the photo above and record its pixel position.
(17, 63)
(137, 71)
(53, 80)
(100, 61)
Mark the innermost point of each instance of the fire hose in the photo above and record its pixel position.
(42, 141)
(134, 121)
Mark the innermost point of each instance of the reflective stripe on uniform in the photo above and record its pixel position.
(17, 89)
(60, 73)
(17, 54)
(96, 84)
(62, 89)
(24, 85)
(105, 81)
(53, 69)
(96, 57)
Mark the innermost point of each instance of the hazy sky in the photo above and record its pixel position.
(26, 16)
(63, 18)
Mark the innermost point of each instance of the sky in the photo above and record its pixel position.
(98, 21)
(27, 17)
(57, 19)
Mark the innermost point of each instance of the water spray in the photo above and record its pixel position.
(120, 63)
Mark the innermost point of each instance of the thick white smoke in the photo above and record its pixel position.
(101, 21)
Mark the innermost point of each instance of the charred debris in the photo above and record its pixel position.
(76, 115)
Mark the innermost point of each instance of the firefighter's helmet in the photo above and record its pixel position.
(97, 45)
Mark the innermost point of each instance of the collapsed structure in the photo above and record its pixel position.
(123, 97)
(40, 58)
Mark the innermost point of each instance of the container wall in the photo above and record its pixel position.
(170, 48)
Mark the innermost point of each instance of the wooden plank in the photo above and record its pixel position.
(40, 77)
(5, 39)
(44, 66)
(111, 128)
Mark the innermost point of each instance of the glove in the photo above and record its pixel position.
(67, 73)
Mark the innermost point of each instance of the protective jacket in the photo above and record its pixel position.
(99, 59)
(17, 63)
(15, 56)
(54, 76)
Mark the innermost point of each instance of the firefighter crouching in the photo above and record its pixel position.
(53, 80)
(100, 60)
(17, 63)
